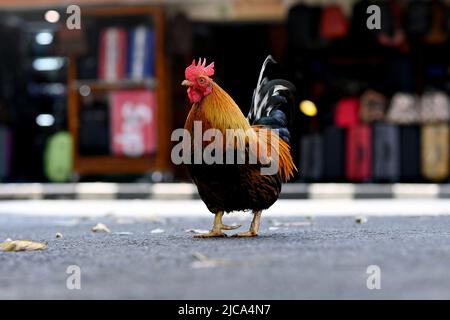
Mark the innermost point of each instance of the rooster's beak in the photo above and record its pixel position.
(186, 83)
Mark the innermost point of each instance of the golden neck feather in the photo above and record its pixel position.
(221, 110)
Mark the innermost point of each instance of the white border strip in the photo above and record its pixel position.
(331, 190)
(184, 191)
(414, 191)
(196, 208)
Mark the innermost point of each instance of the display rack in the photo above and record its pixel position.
(112, 164)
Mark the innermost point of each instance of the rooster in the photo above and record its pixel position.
(243, 186)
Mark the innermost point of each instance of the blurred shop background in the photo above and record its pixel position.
(99, 103)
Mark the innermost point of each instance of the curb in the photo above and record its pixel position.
(186, 191)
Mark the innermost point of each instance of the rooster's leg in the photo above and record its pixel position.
(254, 227)
(217, 228)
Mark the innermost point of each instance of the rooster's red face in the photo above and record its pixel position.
(198, 80)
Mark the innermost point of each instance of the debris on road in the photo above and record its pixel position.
(58, 235)
(123, 233)
(22, 245)
(100, 227)
(361, 220)
(197, 231)
(157, 231)
(291, 224)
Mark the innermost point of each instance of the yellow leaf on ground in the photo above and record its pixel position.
(100, 227)
(22, 245)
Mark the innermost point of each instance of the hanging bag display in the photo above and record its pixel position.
(302, 26)
(410, 150)
(5, 152)
(417, 17)
(386, 152)
(334, 154)
(404, 109)
(333, 23)
(347, 112)
(373, 106)
(311, 150)
(437, 33)
(435, 151)
(435, 107)
(58, 157)
(359, 153)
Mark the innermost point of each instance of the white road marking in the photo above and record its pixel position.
(196, 208)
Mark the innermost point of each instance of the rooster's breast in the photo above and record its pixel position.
(235, 187)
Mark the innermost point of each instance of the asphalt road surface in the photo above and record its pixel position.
(291, 259)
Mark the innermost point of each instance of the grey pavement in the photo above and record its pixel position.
(327, 259)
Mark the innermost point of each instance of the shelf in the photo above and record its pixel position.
(115, 164)
(110, 164)
(102, 85)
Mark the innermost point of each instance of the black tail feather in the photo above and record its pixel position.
(273, 101)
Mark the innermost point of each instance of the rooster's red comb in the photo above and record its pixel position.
(195, 70)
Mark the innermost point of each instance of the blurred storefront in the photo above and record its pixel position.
(374, 102)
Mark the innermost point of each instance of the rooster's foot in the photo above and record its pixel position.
(246, 234)
(218, 226)
(211, 234)
(254, 227)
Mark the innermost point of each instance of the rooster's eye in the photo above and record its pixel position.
(201, 80)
